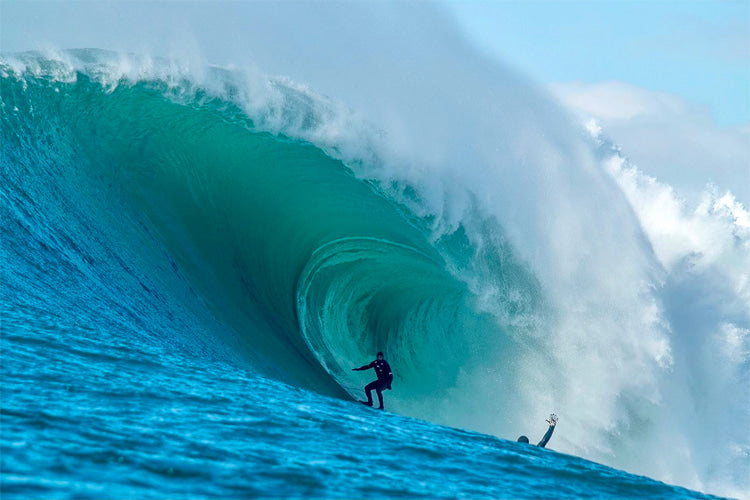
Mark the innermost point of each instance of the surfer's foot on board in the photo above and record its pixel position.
(366, 403)
(380, 408)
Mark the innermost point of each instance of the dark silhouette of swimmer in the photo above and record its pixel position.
(552, 421)
(385, 378)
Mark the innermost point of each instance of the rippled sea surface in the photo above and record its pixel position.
(85, 414)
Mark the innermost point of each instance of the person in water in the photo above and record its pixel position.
(552, 421)
(385, 378)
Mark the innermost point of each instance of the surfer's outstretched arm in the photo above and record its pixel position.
(552, 423)
(366, 367)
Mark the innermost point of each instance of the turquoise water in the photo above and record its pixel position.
(184, 294)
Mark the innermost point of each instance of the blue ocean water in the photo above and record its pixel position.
(94, 411)
(184, 294)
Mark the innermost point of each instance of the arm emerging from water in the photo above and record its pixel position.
(552, 421)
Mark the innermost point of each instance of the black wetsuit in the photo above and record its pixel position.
(546, 437)
(385, 378)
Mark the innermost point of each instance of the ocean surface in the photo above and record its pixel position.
(192, 264)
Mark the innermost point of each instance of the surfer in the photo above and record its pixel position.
(385, 378)
(552, 421)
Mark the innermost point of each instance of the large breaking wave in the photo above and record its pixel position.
(502, 258)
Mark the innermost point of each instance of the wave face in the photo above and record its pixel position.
(309, 267)
(255, 221)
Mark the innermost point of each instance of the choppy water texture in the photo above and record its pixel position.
(184, 294)
(96, 411)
